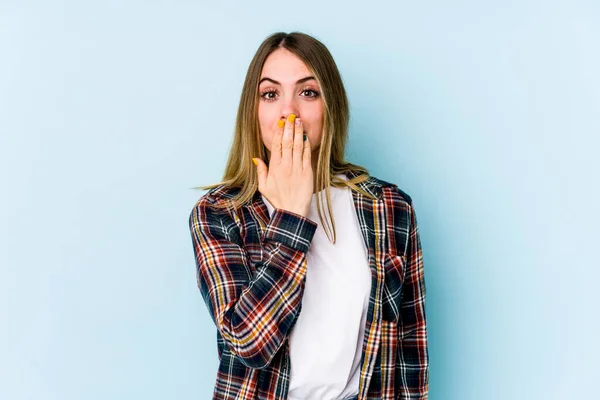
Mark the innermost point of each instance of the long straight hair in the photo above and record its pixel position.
(240, 171)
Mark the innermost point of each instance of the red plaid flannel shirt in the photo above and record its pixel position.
(251, 270)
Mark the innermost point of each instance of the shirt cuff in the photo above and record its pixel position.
(291, 229)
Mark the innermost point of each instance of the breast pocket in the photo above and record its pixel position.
(394, 268)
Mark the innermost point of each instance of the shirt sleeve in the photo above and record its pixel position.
(412, 326)
(254, 310)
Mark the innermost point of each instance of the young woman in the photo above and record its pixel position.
(305, 311)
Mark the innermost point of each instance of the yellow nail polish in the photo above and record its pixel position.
(280, 123)
(255, 161)
(291, 117)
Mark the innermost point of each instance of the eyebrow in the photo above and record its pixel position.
(299, 81)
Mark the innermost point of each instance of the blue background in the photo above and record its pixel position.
(486, 113)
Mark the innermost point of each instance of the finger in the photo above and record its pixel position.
(306, 154)
(287, 141)
(276, 143)
(298, 144)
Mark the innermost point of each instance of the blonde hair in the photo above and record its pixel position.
(240, 171)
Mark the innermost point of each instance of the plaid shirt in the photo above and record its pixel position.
(251, 274)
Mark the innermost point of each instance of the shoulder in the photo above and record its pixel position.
(214, 202)
(399, 209)
(218, 195)
(390, 190)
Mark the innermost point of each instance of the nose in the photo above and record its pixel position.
(289, 107)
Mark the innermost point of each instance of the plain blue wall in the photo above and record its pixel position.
(487, 114)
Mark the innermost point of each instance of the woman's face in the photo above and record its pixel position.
(287, 87)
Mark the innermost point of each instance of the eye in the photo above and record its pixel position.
(314, 92)
(265, 95)
(269, 95)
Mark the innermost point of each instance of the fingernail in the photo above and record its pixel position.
(255, 161)
(304, 138)
(297, 121)
(280, 123)
(291, 117)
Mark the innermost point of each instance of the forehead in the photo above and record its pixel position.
(284, 66)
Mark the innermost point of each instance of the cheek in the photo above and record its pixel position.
(315, 128)
(315, 115)
(262, 118)
(267, 115)
(264, 125)
(266, 135)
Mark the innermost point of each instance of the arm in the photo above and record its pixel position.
(412, 326)
(253, 312)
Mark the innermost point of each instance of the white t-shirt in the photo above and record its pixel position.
(326, 342)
